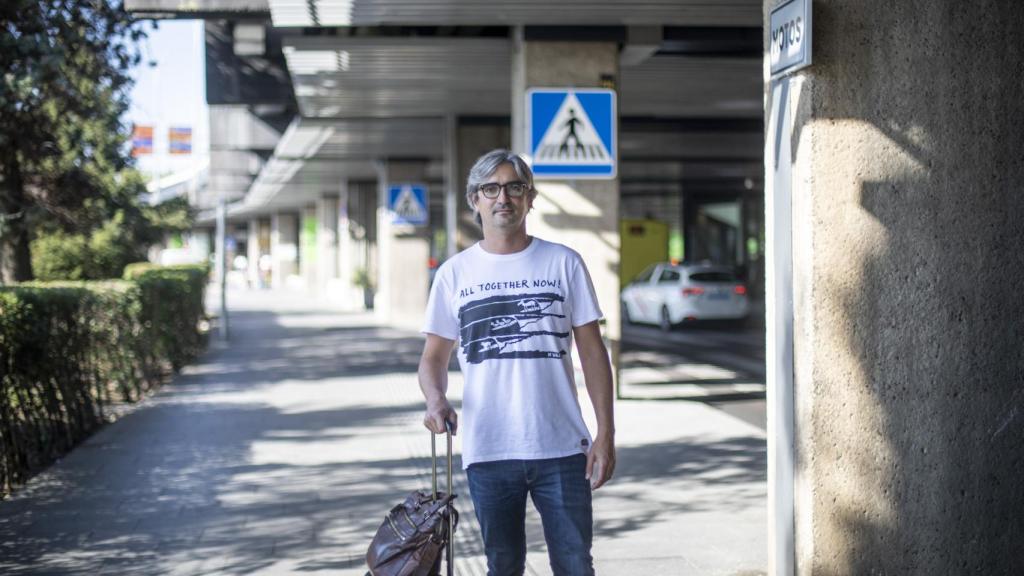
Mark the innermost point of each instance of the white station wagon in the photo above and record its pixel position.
(669, 294)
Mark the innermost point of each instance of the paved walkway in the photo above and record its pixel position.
(281, 452)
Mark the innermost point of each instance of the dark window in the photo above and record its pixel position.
(668, 276)
(714, 277)
(645, 275)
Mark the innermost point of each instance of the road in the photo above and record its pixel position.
(720, 364)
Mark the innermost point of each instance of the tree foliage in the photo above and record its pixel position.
(64, 82)
(103, 251)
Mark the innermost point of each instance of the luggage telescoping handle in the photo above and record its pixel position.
(433, 461)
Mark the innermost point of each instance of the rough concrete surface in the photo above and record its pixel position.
(907, 223)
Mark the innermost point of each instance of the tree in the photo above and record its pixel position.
(104, 250)
(64, 81)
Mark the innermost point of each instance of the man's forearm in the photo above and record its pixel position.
(597, 373)
(599, 387)
(433, 368)
(433, 378)
(433, 381)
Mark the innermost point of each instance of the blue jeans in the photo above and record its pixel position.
(561, 493)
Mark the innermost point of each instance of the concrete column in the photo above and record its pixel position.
(451, 186)
(359, 256)
(906, 271)
(344, 292)
(327, 243)
(252, 254)
(403, 275)
(265, 263)
(582, 214)
(309, 258)
(284, 249)
(474, 140)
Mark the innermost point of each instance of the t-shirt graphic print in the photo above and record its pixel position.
(512, 316)
(491, 327)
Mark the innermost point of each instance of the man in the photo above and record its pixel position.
(514, 303)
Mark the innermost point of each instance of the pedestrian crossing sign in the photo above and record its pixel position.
(571, 133)
(408, 204)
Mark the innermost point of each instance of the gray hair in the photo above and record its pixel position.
(487, 165)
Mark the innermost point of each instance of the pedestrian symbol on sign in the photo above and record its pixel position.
(407, 207)
(571, 123)
(408, 204)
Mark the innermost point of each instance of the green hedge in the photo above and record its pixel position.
(175, 294)
(68, 350)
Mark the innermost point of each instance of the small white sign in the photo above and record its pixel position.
(790, 37)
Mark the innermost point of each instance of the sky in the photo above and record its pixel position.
(171, 93)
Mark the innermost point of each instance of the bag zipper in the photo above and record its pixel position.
(409, 520)
(394, 527)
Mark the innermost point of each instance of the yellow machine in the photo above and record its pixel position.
(644, 242)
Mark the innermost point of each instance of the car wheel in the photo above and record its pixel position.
(664, 321)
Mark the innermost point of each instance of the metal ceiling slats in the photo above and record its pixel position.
(389, 77)
(437, 76)
(313, 156)
(365, 98)
(686, 86)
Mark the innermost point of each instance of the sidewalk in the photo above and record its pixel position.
(281, 452)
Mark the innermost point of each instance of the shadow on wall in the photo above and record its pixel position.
(918, 377)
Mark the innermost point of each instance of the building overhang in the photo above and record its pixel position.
(389, 77)
(310, 13)
(315, 156)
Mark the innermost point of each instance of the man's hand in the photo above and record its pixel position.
(601, 462)
(437, 412)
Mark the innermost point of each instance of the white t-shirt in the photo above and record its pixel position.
(512, 316)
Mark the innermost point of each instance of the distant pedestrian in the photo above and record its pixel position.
(515, 303)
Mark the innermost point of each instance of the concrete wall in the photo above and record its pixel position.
(474, 141)
(583, 214)
(359, 252)
(309, 254)
(284, 248)
(351, 254)
(327, 243)
(404, 279)
(907, 226)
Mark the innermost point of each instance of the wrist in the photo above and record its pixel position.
(438, 401)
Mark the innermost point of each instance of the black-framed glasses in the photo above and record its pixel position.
(491, 190)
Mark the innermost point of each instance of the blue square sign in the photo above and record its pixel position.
(408, 204)
(572, 133)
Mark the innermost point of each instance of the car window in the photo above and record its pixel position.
(645, 275)
(668, 275)
(714, 277)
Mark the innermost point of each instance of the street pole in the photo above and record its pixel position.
(221, 268)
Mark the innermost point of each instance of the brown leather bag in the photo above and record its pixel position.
(410, 540)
